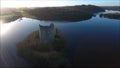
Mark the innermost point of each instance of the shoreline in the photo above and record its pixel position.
(66, 13)
(111, 15)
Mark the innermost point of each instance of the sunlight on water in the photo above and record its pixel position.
(4, 27)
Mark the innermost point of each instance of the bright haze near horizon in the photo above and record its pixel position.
(54, 3)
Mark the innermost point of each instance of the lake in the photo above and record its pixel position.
(93, 42)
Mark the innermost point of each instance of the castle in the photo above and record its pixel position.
(46, 33)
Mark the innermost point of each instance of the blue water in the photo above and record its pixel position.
(92, 42)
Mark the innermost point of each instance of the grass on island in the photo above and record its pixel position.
(44, 55)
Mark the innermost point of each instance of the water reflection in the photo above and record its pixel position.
(5, 28)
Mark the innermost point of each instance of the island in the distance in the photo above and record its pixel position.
(115, 8)
(45, 48)
(66, 13)
(111, 15)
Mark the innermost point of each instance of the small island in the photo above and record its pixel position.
(50, 52)
(111, 15)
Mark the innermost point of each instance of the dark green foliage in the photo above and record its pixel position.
(60, 41)
(111, 15)
(44, 55)
(43, 47)
(67, 13)
(60, 44)
(116, 8)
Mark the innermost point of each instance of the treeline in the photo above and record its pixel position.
(117, 8)
(67, 13)
(111, 15)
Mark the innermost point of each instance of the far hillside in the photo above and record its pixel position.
(117, 8)
(66, 13)
(9, 14)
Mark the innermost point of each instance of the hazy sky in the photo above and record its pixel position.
(49, 3)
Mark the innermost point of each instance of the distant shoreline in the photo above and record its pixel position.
(66, 13)
(116, 8)
(111, 15)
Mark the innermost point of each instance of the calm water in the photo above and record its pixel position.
(93, 42)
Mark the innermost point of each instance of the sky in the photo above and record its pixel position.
(52, 3)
